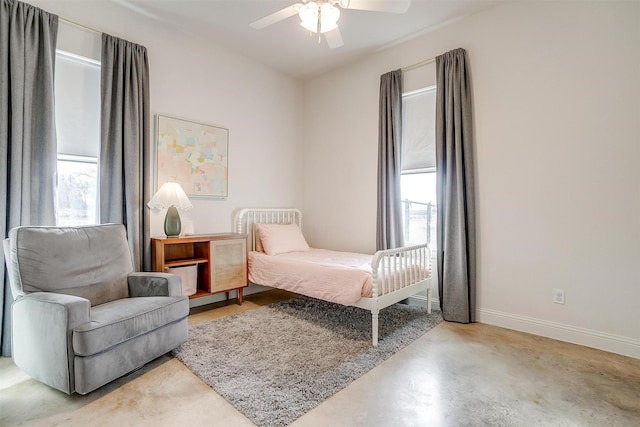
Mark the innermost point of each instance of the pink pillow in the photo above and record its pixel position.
(281, 238)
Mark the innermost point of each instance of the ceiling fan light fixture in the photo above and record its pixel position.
(319, 15)
(309, 15)
(329, 17)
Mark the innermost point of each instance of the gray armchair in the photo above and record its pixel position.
(80, 317)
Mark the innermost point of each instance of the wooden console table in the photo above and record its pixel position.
(221, 260)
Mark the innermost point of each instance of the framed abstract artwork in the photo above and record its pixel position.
(195, 155)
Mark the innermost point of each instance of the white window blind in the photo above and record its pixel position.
(419, 135)
(77, 87)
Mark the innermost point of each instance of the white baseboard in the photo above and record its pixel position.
(559, 331)
(422, 300)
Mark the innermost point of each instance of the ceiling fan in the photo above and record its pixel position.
(321, 16)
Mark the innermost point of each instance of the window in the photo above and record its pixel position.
(418, 179)
(77, 91)
(419, 207)
(77, 178)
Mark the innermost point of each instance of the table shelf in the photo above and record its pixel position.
(186, 261)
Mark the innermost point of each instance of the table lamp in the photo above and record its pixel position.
(171, 196)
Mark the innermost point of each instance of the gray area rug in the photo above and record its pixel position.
(277, 362)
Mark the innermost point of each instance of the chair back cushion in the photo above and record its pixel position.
(87, 261)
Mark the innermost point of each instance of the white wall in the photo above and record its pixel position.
(557, 115)
(194, 79)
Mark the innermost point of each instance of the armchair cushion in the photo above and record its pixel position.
(91, 262)
(118, 321)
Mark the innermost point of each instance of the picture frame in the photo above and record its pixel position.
(193, 154)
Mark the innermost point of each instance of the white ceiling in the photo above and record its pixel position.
(287, 46)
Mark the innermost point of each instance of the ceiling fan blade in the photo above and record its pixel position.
(275, 17)
(392, 6)
(142, 10)
(334, 38)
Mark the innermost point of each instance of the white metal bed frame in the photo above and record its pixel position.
(392, 280)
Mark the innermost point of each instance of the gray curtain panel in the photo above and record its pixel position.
(456, 239)
(125, 146)
(28, 150)
(389, 220)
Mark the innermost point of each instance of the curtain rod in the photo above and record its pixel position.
(68, 21)
(418, 64)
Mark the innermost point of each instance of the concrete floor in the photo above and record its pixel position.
(455, 375)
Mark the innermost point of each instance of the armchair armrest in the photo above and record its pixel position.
(154, 284)
(45, 320)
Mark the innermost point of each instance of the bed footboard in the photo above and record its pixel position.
(397, 275)
(395, 269)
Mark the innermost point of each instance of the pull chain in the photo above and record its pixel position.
(319, 23)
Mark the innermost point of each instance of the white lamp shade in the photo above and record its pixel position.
(170, 194)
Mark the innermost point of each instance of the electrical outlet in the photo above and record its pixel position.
(558, 296)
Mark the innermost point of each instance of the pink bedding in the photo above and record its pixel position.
(340, 277)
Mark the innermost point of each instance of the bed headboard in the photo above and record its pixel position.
(245, 218)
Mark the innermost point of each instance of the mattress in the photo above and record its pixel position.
(340, 277)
